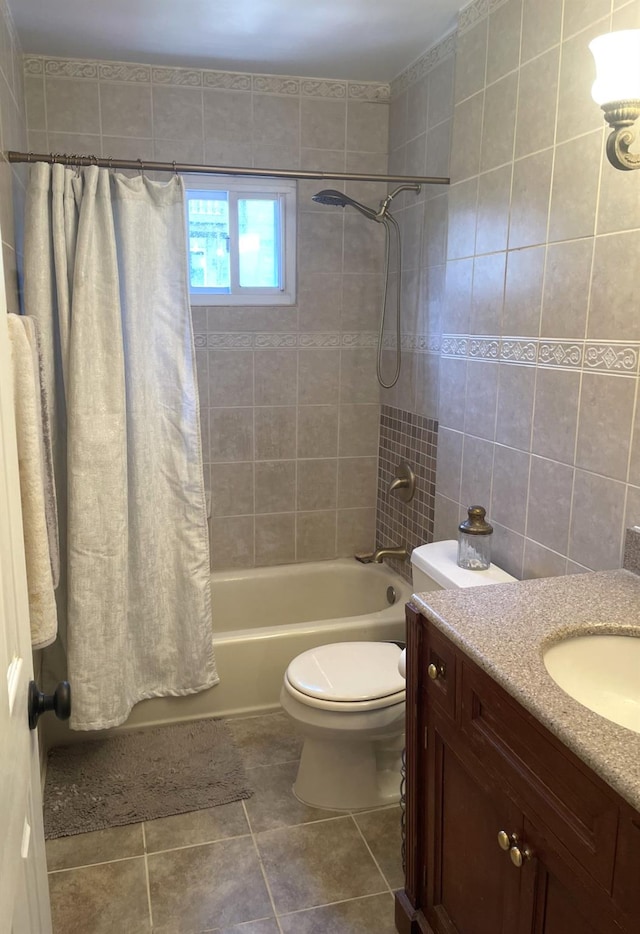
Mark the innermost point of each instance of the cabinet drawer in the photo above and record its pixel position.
(440, 678)
(549, 784)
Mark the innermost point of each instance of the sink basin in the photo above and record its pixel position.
(602, 672)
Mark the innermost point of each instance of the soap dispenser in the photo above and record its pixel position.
(474, 540)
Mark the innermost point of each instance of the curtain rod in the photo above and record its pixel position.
(188, 169)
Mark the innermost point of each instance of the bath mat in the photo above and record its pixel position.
(140, 776)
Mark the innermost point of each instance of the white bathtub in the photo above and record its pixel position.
(264, 617)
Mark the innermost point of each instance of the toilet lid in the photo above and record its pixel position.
(348, 671)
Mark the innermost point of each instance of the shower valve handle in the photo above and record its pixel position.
(39, 703)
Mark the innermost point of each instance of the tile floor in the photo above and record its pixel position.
(268, 865)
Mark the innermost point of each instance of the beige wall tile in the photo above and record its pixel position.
(487, 297)
(446, 518)
(507, 550)
(323, 124)
(449, 469)
(318, 376)
(597, 521)
(499, 122)
(356, 531)
(318, 430)
(417, 97)
(361, 301)
(227, 118)
(357, 481)
(359, 429)
(72, 105)
(453, 374)
(232, 489)
(537, 96)
(510, 485)
(458, 288)
(231, 433)
(320, 302)
(503, 52)
(541, 562)
(275, 486)
(232, 543)
(516, 388)
(316, 535)
(613, 308)
(549, 508)
(275, 432)
(604, 424)
(477, 468)
(574, 194)
(177, 113)
(363, 245)
(556, 414)
(320, 242)
(494, 194)
(523, 292)
(367, 126)
(541, 26)
(530, 200)
(317, 484)
(481, 398)
(275, 373)
(438, 149)
(440, 82)
(125, 110)
(467, 138)
(35, 103)
(358, 382)
(230, 378)
(578, 14)
(275, 539)
(566, 289)
(462, 219)
(471, 61)
(578, 112)
(276, 121)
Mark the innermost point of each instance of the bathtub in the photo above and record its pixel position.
(264, 617)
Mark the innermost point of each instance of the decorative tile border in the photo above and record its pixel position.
(610, 357)
(476, 11)
(277, 340)
(424, 64)
(283, 85)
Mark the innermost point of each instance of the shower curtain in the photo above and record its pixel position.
(106, 275)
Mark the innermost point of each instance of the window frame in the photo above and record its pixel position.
(238, 187)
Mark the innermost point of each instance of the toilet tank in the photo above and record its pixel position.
(435, 567)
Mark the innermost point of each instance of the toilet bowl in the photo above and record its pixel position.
(348, 702)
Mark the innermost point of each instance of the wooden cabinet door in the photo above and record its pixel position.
(472, 885)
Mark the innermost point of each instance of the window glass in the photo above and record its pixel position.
(258, 243)
(208, 223)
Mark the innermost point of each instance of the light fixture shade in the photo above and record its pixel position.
(617, 56)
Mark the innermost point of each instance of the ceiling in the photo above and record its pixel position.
(361, 40)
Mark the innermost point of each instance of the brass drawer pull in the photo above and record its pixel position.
(519, 855)
(505, 840)
(436, 671)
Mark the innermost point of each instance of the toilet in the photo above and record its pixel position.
(348, 701)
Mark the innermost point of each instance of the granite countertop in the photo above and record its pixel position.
(504, 629)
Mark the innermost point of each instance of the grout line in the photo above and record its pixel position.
(104, 862)
(146, 873)
(262, 869)
(378, 867)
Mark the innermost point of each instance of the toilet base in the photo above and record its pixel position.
(349, 776)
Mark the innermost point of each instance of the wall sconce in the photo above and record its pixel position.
(617, 90)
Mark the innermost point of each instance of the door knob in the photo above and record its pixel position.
(39, 703)
(519, 855)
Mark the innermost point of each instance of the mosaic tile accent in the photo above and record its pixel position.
(405, 436)
(621, 358)
(631, 558)
(283, 85)
(424, 64)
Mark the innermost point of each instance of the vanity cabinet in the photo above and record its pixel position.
(506, 829)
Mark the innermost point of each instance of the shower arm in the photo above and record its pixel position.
(384, 205)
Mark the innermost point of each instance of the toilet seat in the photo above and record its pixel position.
(347, 676)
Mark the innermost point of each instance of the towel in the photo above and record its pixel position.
(26, 392)
(42, 402)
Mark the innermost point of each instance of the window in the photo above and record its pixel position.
(241, 239)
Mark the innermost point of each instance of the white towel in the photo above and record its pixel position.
(26, 391)
(42, 403)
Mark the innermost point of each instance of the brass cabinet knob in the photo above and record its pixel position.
(504, 840)
(519, 855)
(436, 671)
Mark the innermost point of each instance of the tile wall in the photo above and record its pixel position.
(12, 136)
(290, 405)
(539, 321)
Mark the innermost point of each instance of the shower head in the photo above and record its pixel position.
(337, 200)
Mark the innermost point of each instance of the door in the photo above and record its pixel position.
(24, 897)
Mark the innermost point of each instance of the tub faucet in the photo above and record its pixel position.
(377, 556)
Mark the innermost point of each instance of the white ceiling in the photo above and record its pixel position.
(364, 40)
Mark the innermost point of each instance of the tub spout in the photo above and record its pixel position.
(377, 556)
